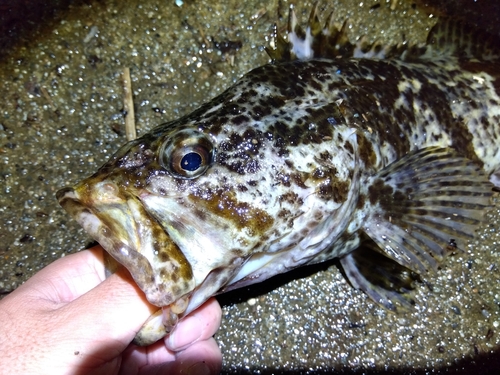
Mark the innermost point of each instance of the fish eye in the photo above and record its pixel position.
(191, 161)
(187, 154)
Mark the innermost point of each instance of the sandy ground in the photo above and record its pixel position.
(60, 119)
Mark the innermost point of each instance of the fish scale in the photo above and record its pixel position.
(334, 150)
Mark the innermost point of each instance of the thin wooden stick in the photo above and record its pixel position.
(46, 95)
(128, 106)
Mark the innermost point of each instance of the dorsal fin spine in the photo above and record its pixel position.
(447, 38)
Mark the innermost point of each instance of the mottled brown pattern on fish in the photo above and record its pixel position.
(242, 215)
(366, 153)
(384, 195)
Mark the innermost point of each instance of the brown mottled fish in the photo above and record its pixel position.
(383, 157)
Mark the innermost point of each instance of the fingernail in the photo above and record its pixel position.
(187, 332)
(199, 368)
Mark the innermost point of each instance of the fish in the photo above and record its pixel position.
(385, 157)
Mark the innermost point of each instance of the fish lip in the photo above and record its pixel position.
(92, 223)
(126, 230)
(69, 199)
(61, 194)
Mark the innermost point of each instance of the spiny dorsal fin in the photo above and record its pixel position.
(330, 41)
(281, 52)
(456, 38)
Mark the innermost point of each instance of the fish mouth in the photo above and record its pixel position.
(120, 223)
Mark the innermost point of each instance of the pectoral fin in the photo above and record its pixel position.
(417, 210)
(425, 204)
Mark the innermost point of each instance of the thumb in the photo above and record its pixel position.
(103, 322)
(74, 320)
(116, 308)
(76, 290)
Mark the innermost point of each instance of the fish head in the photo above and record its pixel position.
(248, 186)
(162, 208)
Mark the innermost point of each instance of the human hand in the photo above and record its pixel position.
(70, 319)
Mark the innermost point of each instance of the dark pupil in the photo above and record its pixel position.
(191, 162)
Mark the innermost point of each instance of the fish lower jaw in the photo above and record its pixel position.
(124, 228)
(95, 224)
